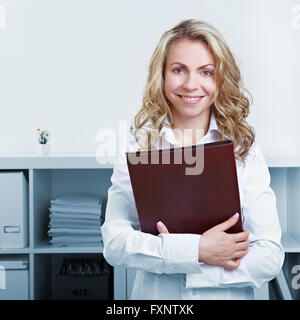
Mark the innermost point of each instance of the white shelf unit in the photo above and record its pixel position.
(50, 175)
(285, 181)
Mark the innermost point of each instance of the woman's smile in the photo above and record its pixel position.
(190, 99)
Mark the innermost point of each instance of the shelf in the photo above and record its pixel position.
(45, 247)
(290, 243)
(54, 161)
(48, 248)
(69, 161)
(282, 160)
(15, 251)
(50, 176)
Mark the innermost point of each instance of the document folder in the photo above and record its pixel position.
(185, 203)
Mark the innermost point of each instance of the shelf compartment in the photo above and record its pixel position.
(285, 183)
(290, 242)
(289, 279)
(49, 183)
(48, 285)
(14, 277)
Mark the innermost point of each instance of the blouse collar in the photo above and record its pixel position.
(167, 133)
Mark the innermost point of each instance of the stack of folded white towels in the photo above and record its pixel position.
(75, 220)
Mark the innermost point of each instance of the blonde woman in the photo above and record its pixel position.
(194, 83)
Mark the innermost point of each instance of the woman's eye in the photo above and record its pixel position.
(177, 70)
(207, 73)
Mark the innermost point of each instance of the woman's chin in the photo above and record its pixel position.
(192, 113)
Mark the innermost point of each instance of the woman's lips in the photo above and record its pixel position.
(191, 100)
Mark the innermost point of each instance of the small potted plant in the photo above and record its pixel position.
(43, 146)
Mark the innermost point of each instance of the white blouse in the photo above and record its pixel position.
(167, 264)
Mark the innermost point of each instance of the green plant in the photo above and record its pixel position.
(43, 136)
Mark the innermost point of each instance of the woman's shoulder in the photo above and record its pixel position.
(132, 145)
(129, 144)
(255, 162)
(255, 153)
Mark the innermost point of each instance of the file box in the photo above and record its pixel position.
(13, 210)
(14, 272)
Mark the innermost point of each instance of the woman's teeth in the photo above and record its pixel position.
(191, 99)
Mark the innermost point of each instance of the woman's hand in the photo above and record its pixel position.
(220, 248)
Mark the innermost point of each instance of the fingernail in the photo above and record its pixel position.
(235, 215)
(160, 224)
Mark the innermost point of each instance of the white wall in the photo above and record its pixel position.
(77, 66)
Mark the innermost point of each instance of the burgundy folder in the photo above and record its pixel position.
(185, 203)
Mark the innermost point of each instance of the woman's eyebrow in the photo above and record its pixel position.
(208, 64)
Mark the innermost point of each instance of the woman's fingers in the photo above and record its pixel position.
(161, 227)
(228, 223)
(240, 254)
(241, 236)
(242, 245)
(232, 264)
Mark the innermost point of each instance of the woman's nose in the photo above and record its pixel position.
(192, 82)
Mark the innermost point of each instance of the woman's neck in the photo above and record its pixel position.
(188, 131)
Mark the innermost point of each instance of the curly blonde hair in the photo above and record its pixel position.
(230, 106)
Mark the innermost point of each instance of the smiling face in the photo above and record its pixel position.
(189, 81)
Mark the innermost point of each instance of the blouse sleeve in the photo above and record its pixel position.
(125, 244)
(266, 255)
